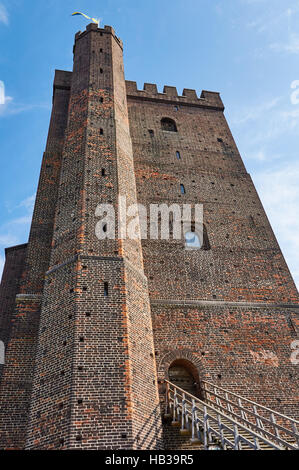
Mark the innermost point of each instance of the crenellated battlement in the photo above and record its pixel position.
(150, 92)
(105, 30)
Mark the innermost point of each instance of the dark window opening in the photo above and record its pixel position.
(106, 289)
(105, 228)
(101, 70)
(102, 99)
(219, 140)
(168, 124)
(103, 172)
(176, 108)
(183, 191)
(178, 155)
(101, 131)
(151, 132)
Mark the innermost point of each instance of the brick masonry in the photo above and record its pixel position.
(84, 366)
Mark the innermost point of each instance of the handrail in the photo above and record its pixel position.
(190, 410)
(248, 411)
(275, 421)
(249, 401)
(244, 428)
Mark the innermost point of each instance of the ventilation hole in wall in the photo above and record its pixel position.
(78, 438)
(219, 376)
(124, 436)
(62, 372)
(101, 50)
(102, 99)
(219, 139)
(84, 267)
(81, 339)
(71, 291)
(103, 172)
(80, 368)
(101, 70)
(101, 131)
(60, 406)
(106, 289)
(64, 343)
(70, 317)
(151, 132)
(61, 442)
(80, 402)
(203, 353)
(88, 314)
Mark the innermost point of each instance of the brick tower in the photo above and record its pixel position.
(93, 327)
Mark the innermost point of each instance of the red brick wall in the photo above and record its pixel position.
(20, 356)
(232, 309)
(95, 383)
(9, 288)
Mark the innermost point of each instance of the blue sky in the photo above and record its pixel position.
(246, 49)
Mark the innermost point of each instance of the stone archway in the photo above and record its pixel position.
(184, 369)
(180, 373)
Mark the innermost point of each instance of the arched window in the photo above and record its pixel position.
(192, 241)
(183, 190)
(168, 124)
(178, 155)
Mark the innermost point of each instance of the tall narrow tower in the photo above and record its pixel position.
(94, 384)
(85, 319)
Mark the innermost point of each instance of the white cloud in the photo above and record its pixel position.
(279, 192)
(2, 261)
(291, 46)
(28, 203)
(3, 14)
(255, 112)
(15, 230)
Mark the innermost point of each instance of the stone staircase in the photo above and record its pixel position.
(225, 421)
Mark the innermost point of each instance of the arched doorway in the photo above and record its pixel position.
(183, 374)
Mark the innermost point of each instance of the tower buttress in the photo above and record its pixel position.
(95, 384)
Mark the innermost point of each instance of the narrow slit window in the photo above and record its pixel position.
(106, 289)
(178, 155)
(101, 70)
(105, 228)
(102, 99)
(101, 131)
(183, 191)
(103, 172)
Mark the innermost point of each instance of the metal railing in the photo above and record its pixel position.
(275, 426)
(211, 423)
